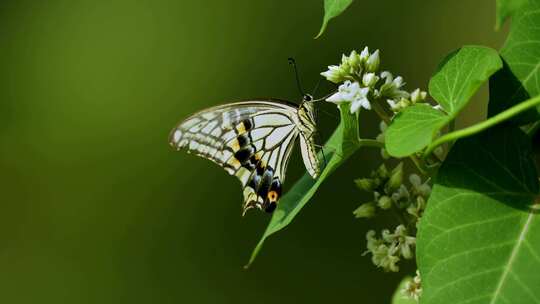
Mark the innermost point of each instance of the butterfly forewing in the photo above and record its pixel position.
(252, 140)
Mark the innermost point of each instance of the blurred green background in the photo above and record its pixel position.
(96, 207)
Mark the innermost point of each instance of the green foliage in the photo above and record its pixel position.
(342, 144)
(505, 8)
(458, 77)
(521, 52)
(413, 129)
(399, 297)
(479, 237)
(332, 8)
(461, 74)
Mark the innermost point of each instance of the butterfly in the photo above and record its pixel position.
(253, 140)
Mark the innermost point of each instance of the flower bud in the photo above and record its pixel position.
(382, 171)
(401, 196)
(418, 96)
(364, 55)
(396, 179)
(415, 180)
(384, 202)
(366, 210)
(406, 252)
(387, 76)
(354, 59)
(372, 64)
(398, 82)
(369, 79)
(365, 184)
(334, 74)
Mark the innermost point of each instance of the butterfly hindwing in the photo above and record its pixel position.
(252, 140)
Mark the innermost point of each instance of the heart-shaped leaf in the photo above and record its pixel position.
(479, 238)
(457, 79)
(521, 52)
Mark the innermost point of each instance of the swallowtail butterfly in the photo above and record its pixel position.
(252, 140)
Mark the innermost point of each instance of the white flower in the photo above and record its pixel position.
(401, 241)
(392, 87)
(413, 288)
(333, 74)
(418, 96)
(361, 102)
(401, 196)
(369, 79)
(398, 82)
(364, 55)
(420, 188)
(353, 93)
(387, 76)
(393, 105)
(346, 92)
(415, 180)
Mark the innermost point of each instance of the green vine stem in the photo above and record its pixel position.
(529, 103)
(370, 143)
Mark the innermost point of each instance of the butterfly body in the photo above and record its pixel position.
(252, 140)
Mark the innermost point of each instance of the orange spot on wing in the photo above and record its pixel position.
(272, 196)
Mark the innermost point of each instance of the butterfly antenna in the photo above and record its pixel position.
(325, 96)
(316, 86)
(298, 84)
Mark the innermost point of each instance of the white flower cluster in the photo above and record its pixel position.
(388, 250)
(362, 83)
(413, 288)
(352, 67)
(408, 203)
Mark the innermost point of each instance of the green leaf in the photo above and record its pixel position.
(460, 76)
(413, 129)
(332, 8)
(505, 9)
(479, 238)
(457, 79)
(521, 76)
(342, 144)
(400, 298)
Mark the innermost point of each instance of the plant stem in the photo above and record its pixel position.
(483, 125)
(370, 143)
(418, 163)
(380, 111)
(452, 125)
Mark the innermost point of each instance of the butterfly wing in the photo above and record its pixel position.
(251, 140)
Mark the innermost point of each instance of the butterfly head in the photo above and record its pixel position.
(307, 114)
(307, 98)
